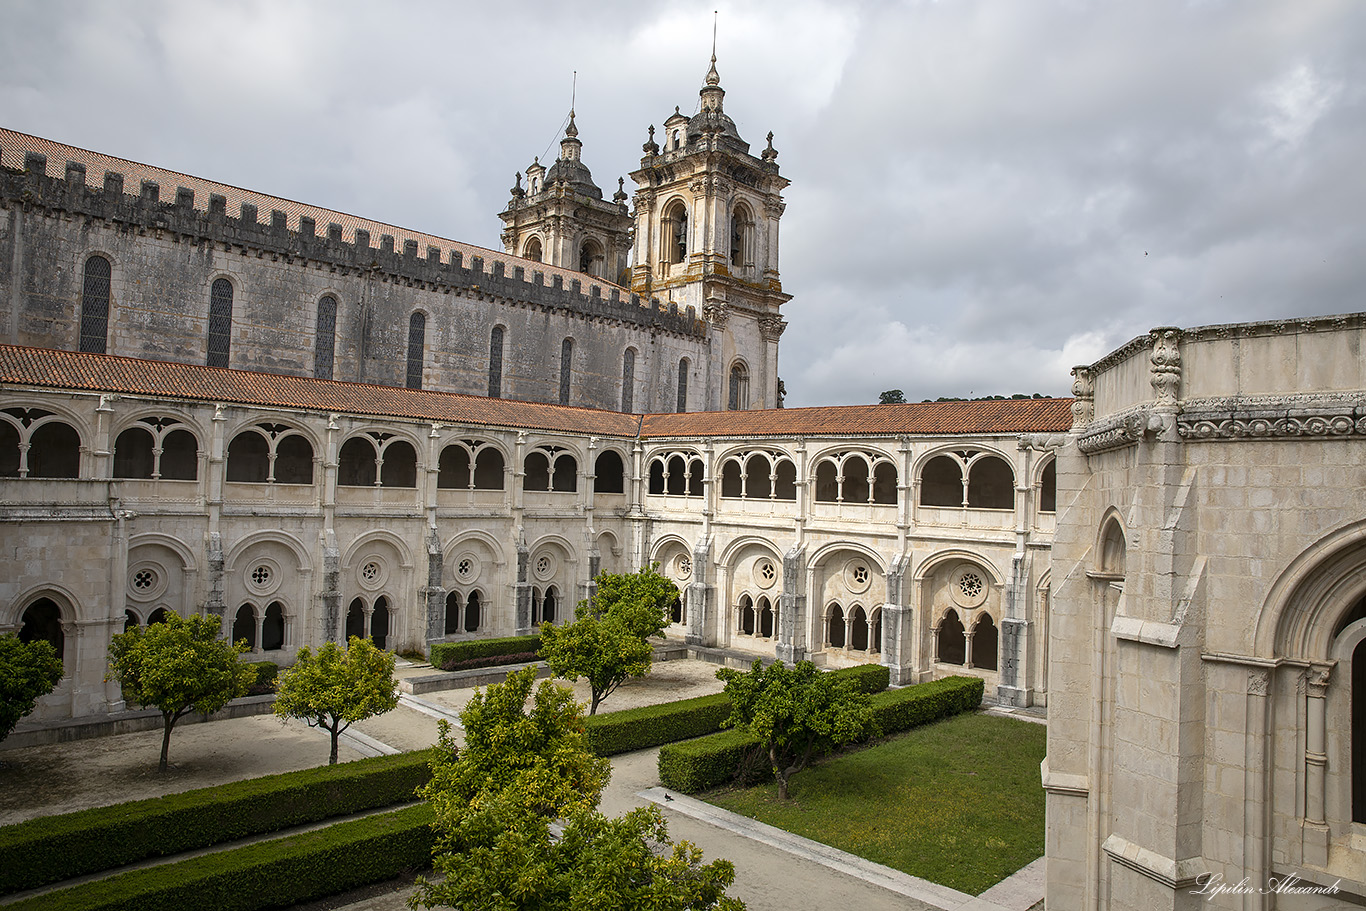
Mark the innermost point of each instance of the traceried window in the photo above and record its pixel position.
(678, 474)
(738, 397)
(1048, 488)
(417, 345)
(496, 363)
(550, 468)
(325, 337)
(566, 368)
(95, 305)
(156, 448)
(683, 368)
(457, 460)
(270, 453)
(220, 322)
(377, 459)
(856, 477)
(628, 380)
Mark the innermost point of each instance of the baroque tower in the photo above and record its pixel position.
(706, 236)
(562, 219)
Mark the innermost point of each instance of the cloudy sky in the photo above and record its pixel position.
(984, 192)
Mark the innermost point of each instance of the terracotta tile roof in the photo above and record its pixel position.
(22, 366)
(13, 145)
(995, 416)
(131, 376)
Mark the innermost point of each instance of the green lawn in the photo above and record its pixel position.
(958, 802)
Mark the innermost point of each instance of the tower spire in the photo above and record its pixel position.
(713, 77)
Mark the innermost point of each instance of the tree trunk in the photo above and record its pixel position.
(782, 786)
(336, 732)
(169, 722)
(593, 707)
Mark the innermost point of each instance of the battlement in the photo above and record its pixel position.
(453, 268)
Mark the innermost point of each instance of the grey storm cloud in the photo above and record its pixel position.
(983, 193)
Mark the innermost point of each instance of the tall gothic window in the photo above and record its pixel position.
(738, 399)
(496, 363)
(628, 380)
(566, 365)
(95, 305)
(682, 386)
(220, 322)
(325, 338)
(417, 344)
(676, 234)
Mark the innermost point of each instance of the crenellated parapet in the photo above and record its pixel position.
(296, 237)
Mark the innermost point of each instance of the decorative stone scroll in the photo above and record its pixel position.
(1084, 395)
(1166, 365)
(1235, 427)
(1115, 433)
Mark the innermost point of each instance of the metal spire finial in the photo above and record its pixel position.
(713, 77)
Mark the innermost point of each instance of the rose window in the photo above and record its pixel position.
(970, 584)
(370, 571)
(684, 567)
(144, 579)
(260, 576)
(464, 567)
(766, 573)
(542, 565)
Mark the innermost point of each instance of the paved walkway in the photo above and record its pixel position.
(775, 871)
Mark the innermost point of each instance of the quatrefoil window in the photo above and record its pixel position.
(144, 579)
(260, 576)
(370, 571)
(765, 573)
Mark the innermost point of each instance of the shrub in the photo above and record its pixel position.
(54, 848)
(264, 682)
(709, 762)
(443, 653)
(901, 710)
(652, 725)
(270, 874)
(866, 678)
(470, 664)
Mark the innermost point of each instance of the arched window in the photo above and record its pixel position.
(765, 618)
(453, 468)
(676, 610)
(548, 605)
(858, 630)
(745, 615)
(758, 477)
(356, 463)
(675, 233)
(532, 251)
(325, 337)
(473, 608)
(1048, 488)
(133, 454)
(1359, 732)
(417, 348)
(43, 620)
(738, 398)
(694, 477)
(130, 621)
(609, 474)
(273, 628)
(566, 368)
(658, 483)
(1113, 549)
(628, 380)
(179, 459)
(834, 626)
(157, 616)
(682, 404)
(732, 484)
(855, 485)
(565, 476)
(488, 469)
(984, 639)
(741, 238)
(536, 470)
(54, 451)
(400, 465)
(875, 645)
(95, 305)
(496, 363)
(591, 258)
(355, 620)
(678, 476)
(455, 609)
(244, 626)
(249, 458)
(293, 460)
(785, 481)
(884, 483)
(379, 623)
(941, 482)
(220, 322)
(9, 450)
(952, 642)
(991, 484)
(827, 482)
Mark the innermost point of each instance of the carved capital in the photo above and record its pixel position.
(1258, 683)
(771, 327)
(1316, 680)
(716, 313)
(1165, 374)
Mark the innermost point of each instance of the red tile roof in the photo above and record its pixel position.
(45, 367)
(994, 416)
(133, 376)
(13, 145)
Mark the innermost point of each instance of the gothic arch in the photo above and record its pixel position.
(1299, 611)
(738, 544)
(956, 554)
(555, 540)
(453, 544)
(187, 558)
(59, 594)
(240, 547)
(400, 546)
(293, 425)
(828, 550)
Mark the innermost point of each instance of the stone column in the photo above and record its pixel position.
(1315, 765)
(898, 625)
(433, 594)
(1013, 688)
(521, 589)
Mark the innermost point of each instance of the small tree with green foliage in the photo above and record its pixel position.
(180, 666)
(334, 687)
(892, 397)
(607, 642)
(28, 671)
(497, 799)
(798, 713)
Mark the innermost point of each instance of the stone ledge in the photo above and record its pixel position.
(126, 722)
(1172, 873)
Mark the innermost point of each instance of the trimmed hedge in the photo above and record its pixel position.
(710, 762)
(443, 653)
(266, 672)
(269, 874)
(653, 725)
(54, 848)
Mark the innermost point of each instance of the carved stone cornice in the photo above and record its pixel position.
(1123, 353)
(1165, 375)
(1115, 432)
(1273, 417)
(1043, 442)
(1269, 328)
(1084, 394)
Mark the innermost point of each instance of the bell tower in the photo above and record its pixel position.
(706, 236)
(562, 219)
